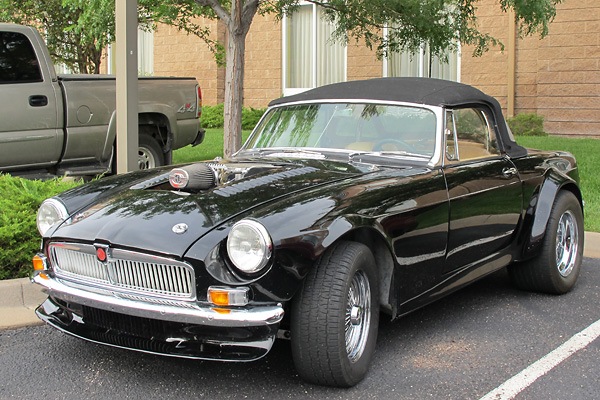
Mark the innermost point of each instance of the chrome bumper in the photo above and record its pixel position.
(191, 314)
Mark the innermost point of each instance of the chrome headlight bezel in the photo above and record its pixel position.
(51, 212)
(249, 246)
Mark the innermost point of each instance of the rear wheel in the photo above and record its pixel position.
(335, 317)
(557, 267)
(150, 154)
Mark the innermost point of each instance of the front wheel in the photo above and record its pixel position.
(335, 317)
(557, 267)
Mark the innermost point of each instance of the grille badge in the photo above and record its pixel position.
(102, 252)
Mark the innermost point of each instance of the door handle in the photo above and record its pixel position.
(509, 172)
(38, 100)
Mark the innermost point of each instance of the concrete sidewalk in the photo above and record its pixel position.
(20, 297)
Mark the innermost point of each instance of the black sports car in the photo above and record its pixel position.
(346, 201)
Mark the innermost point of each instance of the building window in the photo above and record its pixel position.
(145, 55)
(310, 57)
(422, 64)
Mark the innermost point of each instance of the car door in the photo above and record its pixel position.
(29, 134)
(484, 189)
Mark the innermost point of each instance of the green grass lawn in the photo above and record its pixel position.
(586, 151)
(209, 149)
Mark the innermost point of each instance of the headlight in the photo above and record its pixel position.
(249, 246)
(51, 211)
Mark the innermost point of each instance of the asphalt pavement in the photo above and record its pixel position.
(19, 297)
(486, 341)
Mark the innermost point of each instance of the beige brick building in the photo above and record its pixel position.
(557, 77)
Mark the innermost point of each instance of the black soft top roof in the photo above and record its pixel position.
(435, 92)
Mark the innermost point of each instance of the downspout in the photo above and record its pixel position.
(512, 55)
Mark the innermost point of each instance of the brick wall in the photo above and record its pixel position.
(178, 54)
(568, 74)
(263, 74)
(488, 72)
(362, 62)
(557, 77)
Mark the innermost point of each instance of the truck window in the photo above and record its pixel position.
(18, 63)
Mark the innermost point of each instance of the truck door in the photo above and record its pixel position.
(29, 132)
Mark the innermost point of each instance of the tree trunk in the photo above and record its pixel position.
(234, 92)
(238, 25)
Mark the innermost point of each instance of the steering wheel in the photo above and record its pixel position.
(400, 144)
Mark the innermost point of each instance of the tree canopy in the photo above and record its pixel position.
(77, 31)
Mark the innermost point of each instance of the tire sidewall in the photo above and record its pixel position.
(355, 371)
(150, 145)
(318, 314)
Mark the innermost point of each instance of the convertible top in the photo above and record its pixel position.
(435, 92)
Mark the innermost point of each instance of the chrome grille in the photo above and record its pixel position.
(124, 271)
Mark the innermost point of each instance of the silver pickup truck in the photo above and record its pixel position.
(66, 125)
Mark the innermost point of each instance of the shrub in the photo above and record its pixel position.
(19, 237)
(212, 116)
(251, 116)
(527, 125)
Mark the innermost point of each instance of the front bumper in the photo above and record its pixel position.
(237, 334)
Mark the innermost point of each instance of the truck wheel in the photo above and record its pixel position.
(335, 317)
(150, 154)
(557, 267)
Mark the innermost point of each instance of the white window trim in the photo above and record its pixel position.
(291, 91)
(385, 70)
(110, 69)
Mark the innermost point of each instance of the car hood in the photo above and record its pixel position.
(141, 211)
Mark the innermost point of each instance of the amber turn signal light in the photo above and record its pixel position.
(39, 264)
(223, 296)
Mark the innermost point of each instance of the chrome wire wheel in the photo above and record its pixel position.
(358, 316)
(567, 240)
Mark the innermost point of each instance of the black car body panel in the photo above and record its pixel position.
(436, 215)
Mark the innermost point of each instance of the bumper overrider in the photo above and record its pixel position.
(189, 330)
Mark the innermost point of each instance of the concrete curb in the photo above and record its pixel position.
(19, 297)
(18, 300)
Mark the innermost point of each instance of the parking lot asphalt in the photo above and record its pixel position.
(19, 297)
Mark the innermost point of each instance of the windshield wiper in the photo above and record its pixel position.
(297, 152)
(394, 153)
(387, 154)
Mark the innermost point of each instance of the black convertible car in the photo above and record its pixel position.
(347, 201)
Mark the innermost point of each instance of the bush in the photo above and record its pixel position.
(251, 116)
(527, 125)
(212, 116)
(19, 237)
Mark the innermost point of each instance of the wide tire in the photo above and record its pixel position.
(335, 317)
(150, 154)
(557, 267)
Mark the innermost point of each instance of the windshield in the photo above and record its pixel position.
(351, 127)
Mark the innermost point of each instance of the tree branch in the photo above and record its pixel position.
(217, 8)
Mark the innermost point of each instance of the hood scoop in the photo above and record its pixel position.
(203, 176)
(192, 178)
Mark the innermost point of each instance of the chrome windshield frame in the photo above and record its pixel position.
(438, 111)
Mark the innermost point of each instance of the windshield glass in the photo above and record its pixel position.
(352, 127)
